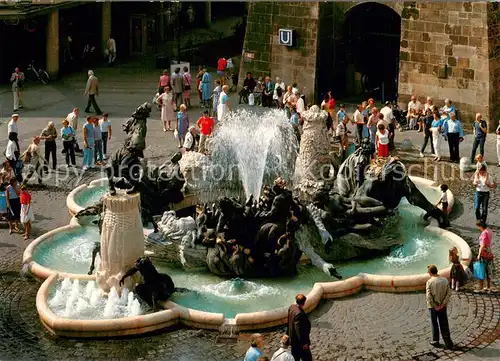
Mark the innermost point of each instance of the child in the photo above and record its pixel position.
(480, 162)
(26, 211)
(498, 143)
(457, 273)
(443, 201)
(382, 141)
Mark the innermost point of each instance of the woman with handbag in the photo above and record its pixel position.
(187, 86)
(485, 256)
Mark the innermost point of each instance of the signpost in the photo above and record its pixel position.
(285, 37)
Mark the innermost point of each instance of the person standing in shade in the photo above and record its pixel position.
(437, 294)
(88, 151)
(164, 81)
(68, 135)
(206, 88)
(480, 130)
(13, 206)
(97, 142)
(483, 182)
(299, 328)
(177, 87)
(49, 134)
(254, 352)
(283, 353)
(215, 98)
(373, 120)
(106, 132)
(111, 48)
(182, 124)
(12, 154)
(388, 115)
(454, 134)
(17, 80)
(72, 118)
(429, 118)
(267, 94)
(92, 90)
(221, 70)
(357, 119)
(187, 85)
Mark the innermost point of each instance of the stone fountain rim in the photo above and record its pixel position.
(211, 320)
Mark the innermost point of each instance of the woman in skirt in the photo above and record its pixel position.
(26, 211)
(13, 206)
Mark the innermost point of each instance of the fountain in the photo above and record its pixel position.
(251, 150)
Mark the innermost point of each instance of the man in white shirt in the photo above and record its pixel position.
(414, 111)
(357, 118)
(111, 47)
(12, 129)
(299, 105)
(283, 353)
(386, 111)
(189, 141)
(72, 118)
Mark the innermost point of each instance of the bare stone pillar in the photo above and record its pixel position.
(208, 12)
(53, 43)
(106, 23)
(122, 241)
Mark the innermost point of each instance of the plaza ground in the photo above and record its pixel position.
(367, 326)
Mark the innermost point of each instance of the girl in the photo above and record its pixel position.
(13, 206)
(182, 124)
(443, 201)
(166, 101)
(382, 141)
(457, 273)
(26, 211)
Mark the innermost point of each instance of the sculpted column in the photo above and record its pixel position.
(53, 43)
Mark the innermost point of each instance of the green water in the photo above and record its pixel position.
(90, 196)
(71, 252)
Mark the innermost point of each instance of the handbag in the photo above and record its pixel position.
(479, 270)
(187, 85)
(486, 254)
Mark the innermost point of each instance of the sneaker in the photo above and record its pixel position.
(85, 167)
(104, 157)
(456, 288)
(434, 343)
(421, 155)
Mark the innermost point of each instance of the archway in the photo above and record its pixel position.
(372, 33)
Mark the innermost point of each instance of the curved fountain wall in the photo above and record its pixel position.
(175, 313)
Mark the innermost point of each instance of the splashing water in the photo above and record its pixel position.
(76, 301)
(253, 148)
(239, 289)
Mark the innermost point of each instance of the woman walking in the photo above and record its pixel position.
(223, 106)
(106, 132)
(436, 125)
(182, 124)
(68, 135)
(483, 182)
(13, 206)
(187, 86)
(215, 99)
(26, 211)
(167, 103)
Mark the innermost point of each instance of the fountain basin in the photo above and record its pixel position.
(432, 192)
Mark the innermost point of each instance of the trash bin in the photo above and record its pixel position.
(162, 62)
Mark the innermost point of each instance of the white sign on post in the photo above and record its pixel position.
(179, 65)
(285, 37)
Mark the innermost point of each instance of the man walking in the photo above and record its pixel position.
(17, 80)
(12, 130)
(111, 47)
(454, 133)
(177, 86)
(480, 131)
(299, 328)
(438, 295)
(72, 119)
(49, 134)
(92, 90)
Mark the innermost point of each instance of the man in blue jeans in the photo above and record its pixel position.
(438, 296)
(480, 131)
(88, 138)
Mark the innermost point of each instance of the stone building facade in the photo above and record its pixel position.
(447, 49)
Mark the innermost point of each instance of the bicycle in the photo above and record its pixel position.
(40, 74)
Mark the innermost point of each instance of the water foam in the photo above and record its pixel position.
(239, 289)
(253, 148)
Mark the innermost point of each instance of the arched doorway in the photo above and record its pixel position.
(371, 34)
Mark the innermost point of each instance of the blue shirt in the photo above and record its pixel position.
(437, 123)
(224, 98)
(341, 115)
(479, 132)
(451, 126)
(97, 132)
(89, 130)
(65, 133)
(252, 354)
(294, 119)
(11, 193)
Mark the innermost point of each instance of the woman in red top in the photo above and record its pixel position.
(164, 81)
(26, 211)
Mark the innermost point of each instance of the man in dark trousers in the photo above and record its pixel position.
(299, 328)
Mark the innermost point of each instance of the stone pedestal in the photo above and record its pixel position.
(53, 43)
(122, 240)
(106, 24)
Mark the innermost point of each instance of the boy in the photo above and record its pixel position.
(206, 125)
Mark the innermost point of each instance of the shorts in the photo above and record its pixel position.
(221, 73)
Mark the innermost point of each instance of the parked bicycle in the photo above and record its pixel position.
(40, 74)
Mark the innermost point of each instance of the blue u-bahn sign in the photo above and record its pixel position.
(285, 37)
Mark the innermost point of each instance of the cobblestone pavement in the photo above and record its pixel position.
(368, 326)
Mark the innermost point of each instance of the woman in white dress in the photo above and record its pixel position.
(223, 107)
(436, 134)
(166, 100)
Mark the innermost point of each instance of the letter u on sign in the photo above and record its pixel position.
(286, 37)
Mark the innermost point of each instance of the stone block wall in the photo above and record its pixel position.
(292, 64)
(455, 34)
(494, 58)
